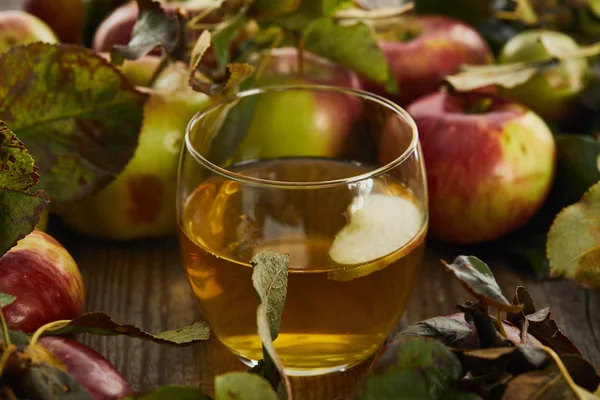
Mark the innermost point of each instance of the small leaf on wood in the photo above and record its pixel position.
(269, 277)
(574, 241)
(342, 44)
(445, 329)
(19, 208)
(171, 393)
(416, 368)
(152, 29)
(243, 386)
(98, 323)
(78, 116)
(477, 278)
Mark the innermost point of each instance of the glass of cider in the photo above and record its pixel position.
(332, 177)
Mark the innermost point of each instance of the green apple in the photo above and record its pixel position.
(551, 92)
(19, 27)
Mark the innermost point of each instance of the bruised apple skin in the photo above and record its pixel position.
(301, 123)
(65, 17)
(490, 164)
(140, 202)
(44, 278)
(19, 27)
(89, 368)
(422, 50)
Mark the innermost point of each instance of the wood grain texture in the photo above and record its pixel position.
(143, 282)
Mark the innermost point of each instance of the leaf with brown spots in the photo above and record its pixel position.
(19, 208)
(573, 246)
(98, 323)
(78, 115)
(478, 279)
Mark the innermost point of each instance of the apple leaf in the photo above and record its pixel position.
(200, 47)
(418, 368)
(169, 393)
(153, 29)
(236, 74)
(78, 115)
(477, 278)
(272, 8)
(506, 75)
(573, 246)
(19, 208)
(43, 381)
(512, 359)
(222, 38)
(540, 324)
(269, 278)
(342, 43)
(6, 300)
(548, 383)
(243, 386)
(98, 323)
(445, 329)
(470, 11)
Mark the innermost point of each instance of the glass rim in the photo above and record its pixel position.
(412, 147)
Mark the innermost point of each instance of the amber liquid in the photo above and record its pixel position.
(335, 315)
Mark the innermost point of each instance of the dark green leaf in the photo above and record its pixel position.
(78, 115)
(222, 38)
(19, 209)
(18, 338)
(541, 325)
(471, 11)
(478, 279)
(514, 360)
(419, 368)
(487, 331)
(576, 169)
(243, 386)
(152, 29)
(45, 382)
(342, 44)
(269, 277)
(171, 393)
(98, 323)
(445, 329)
(574, 241)
(6, 299)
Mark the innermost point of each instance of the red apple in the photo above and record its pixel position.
(301, 123)
(422, 50)
(89, 368)
(18, 27)
(489, 163)
(44, 278)
(65, 17)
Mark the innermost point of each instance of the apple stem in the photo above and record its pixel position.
(300, 45)
(8, 351)
(164, 62)
(49, 326)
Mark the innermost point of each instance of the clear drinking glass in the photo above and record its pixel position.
(333, 177)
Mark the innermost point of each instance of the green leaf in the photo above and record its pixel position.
(445, 329)
(273, 8)
(507, 75)
(18, 338)
(6, 300)
(243, 386)
(171, 393)
(222, 38)
(269, 278)
(152, 29)
(342, 44)
(98, 323)
(78, 115)
(45, 382)
(574, 241)
(470, 11)
(19, 208)
(420, 368)
(594, 6)
(477, 278)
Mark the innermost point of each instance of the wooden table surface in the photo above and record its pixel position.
(143, 282)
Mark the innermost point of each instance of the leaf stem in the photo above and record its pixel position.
(5, 335)
(300, 45)
(164, 63)
(8, 352)
(50, 325)
(500, 324)
(563, 370)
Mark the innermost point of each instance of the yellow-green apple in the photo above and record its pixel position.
(489, 162)
(551, 92)
(301, 123)
(19, 27)
(88, 367)
(422, 50)
(140, 202)
(44, 278)
(65, 17)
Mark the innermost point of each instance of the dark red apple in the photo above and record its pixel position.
(45, 280)
(89, 368)
(489, 163)
(301, 122)
(422, 50)
(65, 17)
